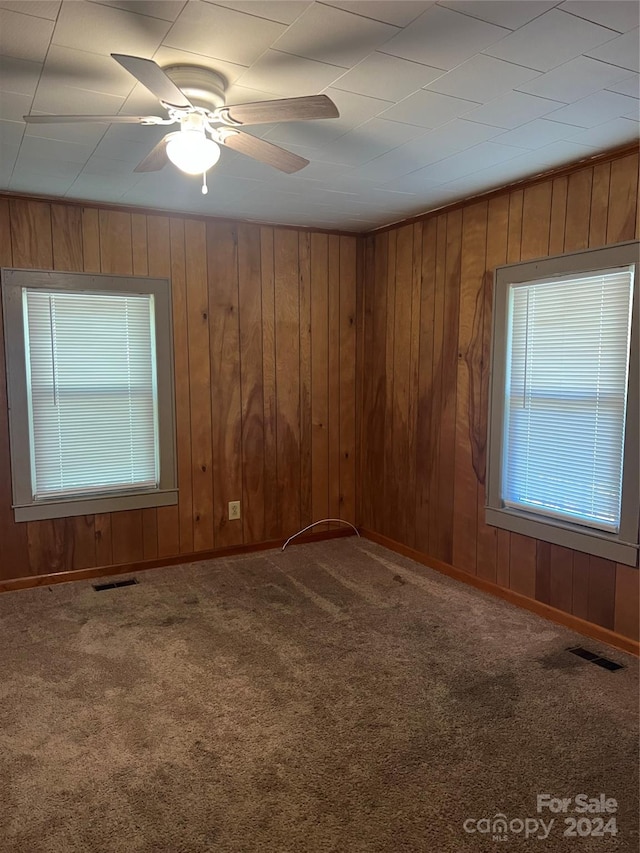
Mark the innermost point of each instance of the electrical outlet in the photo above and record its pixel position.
(234, 510)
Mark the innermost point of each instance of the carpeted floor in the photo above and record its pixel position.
(334, 697)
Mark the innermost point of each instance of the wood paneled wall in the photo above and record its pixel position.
(427, 334)
(265, 363)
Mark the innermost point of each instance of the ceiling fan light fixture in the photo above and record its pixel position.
(193, 152)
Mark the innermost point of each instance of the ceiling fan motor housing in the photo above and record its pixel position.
(203, 87)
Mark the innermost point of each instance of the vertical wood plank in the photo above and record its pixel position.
(361, 277)
(497, 230)
(446, 468)
(90, 239)
(334, 376)
(425, 438)
(561, 578)
(250, 309)
(320, 376)
(347, 384)
(623, 199)
(580, 591)
(543, 572)
(627, 612)
(389, 517)
(66, 237)
(398, 438)
(181, 356)
(414, 368)
(195, 252)
(14, 558)
(558, 215)
(599, 205)
(272, 505)
(469, 442)
(375, 458)
(436, 397)
(163, 523)
(306, 423)
(226, 413)
(288, 376)
(576, 234)
(602, 592)
(522, 565)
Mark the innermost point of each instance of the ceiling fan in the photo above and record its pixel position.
(194, 98)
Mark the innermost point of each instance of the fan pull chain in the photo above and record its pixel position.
(205, 189)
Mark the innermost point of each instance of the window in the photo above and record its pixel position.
(563, 435)
(89, 375)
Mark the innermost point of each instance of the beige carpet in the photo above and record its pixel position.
(334, 697)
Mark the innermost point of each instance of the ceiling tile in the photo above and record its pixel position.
(443, 39)
(428, 109)
(504, 14)
(535, 134)
(481, 79)
(80, 69)
(433, 146)
(289, 76)
(397, 12)
(574, 80)
(24, 36)
(166, 10)
(464, 163)
(222, 33)
(99, 187)
(594, 109)
(66, 100)
(86, 133)
(331, 35)
(562, 152)
(622, 15)
(629, 86)
(282, 11)
(622, 51)
(116, 146)
(550, 40)
(49, 166)
(13, 106)
(70, 152)
(383, 76)
(102, 29)
(618, 131)
(370, 140)
(19, 75)
(514, 109)
(29, 182)
(38, 8)
(11, 133)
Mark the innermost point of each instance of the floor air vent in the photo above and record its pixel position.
(100, 587)
(605, 663)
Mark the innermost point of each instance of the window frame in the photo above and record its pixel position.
(621, 547)
(25, 508)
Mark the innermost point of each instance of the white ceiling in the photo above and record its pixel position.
(438, 100)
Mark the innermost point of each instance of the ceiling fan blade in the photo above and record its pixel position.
(149, 73)
(265, 152)
(110, 119)
(286, 109)
(157, 158)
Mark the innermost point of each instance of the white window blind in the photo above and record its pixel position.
(92, 390)
(566, 396)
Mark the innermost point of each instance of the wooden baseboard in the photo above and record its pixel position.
(127, 568)
(589, 629)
